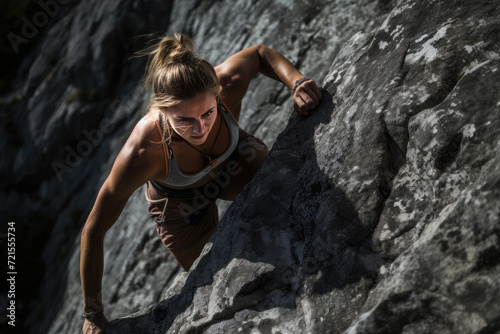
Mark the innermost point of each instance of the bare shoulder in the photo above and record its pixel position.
(235, 75)
(140, 159)
(239, 65)
(228, 77)
(146, 133)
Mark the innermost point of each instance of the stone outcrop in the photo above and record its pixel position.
(379, 213)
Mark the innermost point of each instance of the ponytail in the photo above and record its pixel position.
(169, 52)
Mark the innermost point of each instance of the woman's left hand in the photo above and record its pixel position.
(306, 97)
(95, 325)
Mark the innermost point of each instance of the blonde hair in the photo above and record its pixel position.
(175, 73)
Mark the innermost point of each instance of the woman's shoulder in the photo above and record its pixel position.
(142, 152)
(146, 128)
(145, 139)
(138, 160)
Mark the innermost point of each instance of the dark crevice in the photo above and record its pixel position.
(448, 154)
(403, 71)
(401, 78)
(395, 159)
(402, 62)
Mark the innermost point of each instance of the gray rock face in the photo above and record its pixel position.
(80, 83)
(76, 94)
(379, 213)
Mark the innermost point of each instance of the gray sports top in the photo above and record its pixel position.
(178, 178)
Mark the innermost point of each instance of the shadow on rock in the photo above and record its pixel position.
(290, 238)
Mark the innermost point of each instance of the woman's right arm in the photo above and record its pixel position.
(135, 164)
(104, 214)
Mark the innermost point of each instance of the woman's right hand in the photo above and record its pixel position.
(306, 97)
(95, 325)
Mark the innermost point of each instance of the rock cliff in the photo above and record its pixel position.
(75, 98)
(379, 213)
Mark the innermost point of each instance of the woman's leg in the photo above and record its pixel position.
(186, 238)
(186, 257)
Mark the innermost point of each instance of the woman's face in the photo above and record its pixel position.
(193, 119)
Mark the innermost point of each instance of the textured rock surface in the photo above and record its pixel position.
(79, 75)
(380, 212)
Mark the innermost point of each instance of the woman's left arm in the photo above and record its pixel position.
(237, 71)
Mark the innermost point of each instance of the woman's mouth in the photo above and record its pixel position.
(199, 137)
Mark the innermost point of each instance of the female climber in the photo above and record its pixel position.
(188, 149)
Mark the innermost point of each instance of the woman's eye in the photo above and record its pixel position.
(208, 113)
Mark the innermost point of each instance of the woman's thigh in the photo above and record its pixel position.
(186, 257)
(182, 235)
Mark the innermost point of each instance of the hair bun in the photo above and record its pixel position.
(175, 73)
(176, 49)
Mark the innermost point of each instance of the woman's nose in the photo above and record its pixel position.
(198, 127)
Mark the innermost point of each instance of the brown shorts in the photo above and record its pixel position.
(179, 223)
(184, 217)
